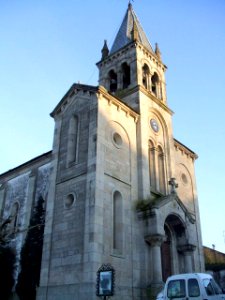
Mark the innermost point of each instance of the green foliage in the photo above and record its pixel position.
(31, 255)
(7, 262)
(143, 204)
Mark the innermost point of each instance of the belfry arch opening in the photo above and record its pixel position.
(155, 84)
(112, 81)
(126, 75)
(145, 76)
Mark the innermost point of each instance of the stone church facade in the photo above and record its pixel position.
(113, 150)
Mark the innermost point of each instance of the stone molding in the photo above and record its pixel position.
(155, 239)
(186, 248)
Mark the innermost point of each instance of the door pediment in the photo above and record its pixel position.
(172, 204)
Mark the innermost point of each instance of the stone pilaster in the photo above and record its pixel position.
(30, 199)
(155, 243)
(187, 250)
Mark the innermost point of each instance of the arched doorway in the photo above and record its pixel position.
(166, 255)
(174, 232)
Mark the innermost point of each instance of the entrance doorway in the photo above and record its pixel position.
(166, 255)
(174, 229)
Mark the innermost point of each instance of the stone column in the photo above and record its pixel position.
(156, 242)
(187, 262)
(119, 80)
(187, 251)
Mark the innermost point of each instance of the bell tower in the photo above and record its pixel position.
(134, 73)
(132, 64)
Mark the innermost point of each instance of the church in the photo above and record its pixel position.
(119, 190)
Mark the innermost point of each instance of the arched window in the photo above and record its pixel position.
(117, 223)
(145, 76)
(72, 140)
(155, 84)
(14, 214)
(161, 171)
(112, 81)
(152, 171)
(126, 75)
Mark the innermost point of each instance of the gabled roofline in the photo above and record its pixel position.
(42, 157)
(171, 197)
(184, 148)
(95, 90)
(76, 87)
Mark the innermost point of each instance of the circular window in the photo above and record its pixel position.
(117, 139)
(184, 178)
(69, 200)
(154, 124)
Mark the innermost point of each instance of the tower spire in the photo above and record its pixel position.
(129, 31)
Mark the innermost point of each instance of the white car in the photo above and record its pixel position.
(191, 286)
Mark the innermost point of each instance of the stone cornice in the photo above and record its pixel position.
(118, 103)
(116, 54)
(139, 88)
(179, 146)
(134, 44)
(155, 99)
(151, 55)
(186, 248)
(99, 91)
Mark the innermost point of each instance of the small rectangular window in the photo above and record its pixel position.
(193, 288)
(176, 289)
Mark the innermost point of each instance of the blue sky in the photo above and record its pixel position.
(48, 45)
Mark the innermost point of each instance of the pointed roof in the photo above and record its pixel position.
(130, 29)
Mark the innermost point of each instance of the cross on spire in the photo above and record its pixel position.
(173, 184)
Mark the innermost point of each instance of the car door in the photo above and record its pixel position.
(193, 289)
(212, 289)
(176, 289)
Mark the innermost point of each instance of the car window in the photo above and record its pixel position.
(208, 287)
(193, 288)
(216, 287)
(176, 289)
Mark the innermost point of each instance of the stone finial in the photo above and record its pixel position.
(173, 184)
(129, 5)
(157, 51)
(105, 50)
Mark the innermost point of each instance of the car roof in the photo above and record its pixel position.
(190, 275)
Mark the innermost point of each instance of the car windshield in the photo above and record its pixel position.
(176, 289)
